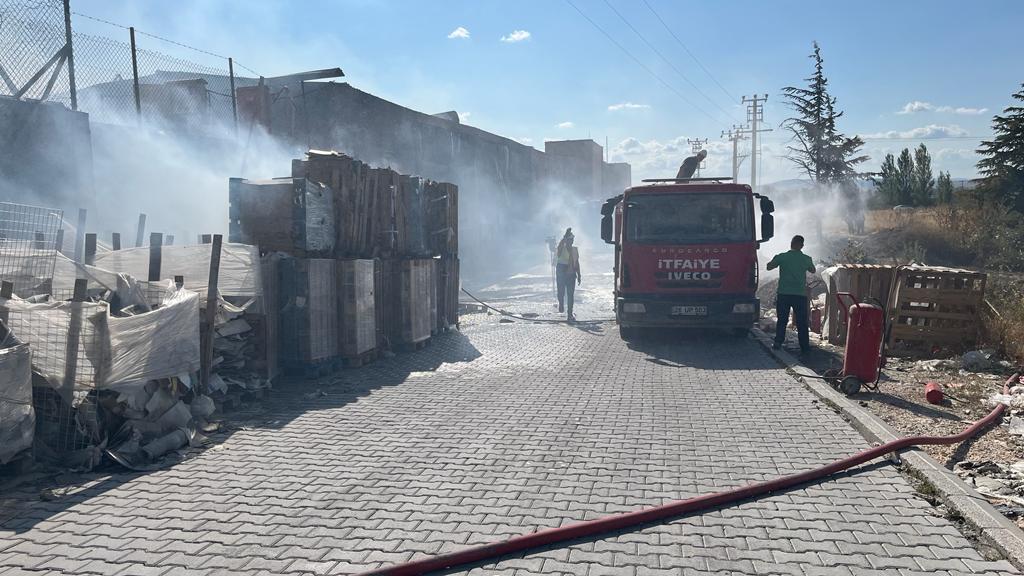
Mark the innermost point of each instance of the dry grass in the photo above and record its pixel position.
(1004, 321)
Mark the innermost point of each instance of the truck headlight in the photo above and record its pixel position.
(634, 308)
(743, 308)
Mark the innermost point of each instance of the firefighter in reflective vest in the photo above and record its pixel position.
(567, 269)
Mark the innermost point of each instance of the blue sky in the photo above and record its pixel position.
(902, 70)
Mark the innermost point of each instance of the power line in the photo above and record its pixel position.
(667, 61)
(639, 63)
(692, 55)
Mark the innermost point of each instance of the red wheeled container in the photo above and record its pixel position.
(865, 324)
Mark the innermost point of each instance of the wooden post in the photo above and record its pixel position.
(59, 242)
(169, 241)
(80, 235)
(179, 281)
(210, 315)
(135, 75)
(74, 337)
(205, 238)
(115, 241)
(6, 292)
(156, 241)
(90, 249)
(142, 231)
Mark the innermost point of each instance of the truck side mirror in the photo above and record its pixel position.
(767, 206)
(767, 227)
(606, 230)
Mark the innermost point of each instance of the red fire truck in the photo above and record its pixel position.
(686, 253)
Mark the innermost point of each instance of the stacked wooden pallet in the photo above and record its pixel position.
(937, 307)
(308, 307)
(926, 307)
(400, 231)
(291, 215)
(866, 282)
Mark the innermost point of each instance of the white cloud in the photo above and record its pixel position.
(970, 111)
(627, 106)
(919, 106)
(565, 125)
(463, 116)
(516, 36)
(525, 140)
(923, 132)
(916, 106)
(459, 33)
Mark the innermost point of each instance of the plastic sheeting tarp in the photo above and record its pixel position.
(239, 267)
(17, 419)
(110, 350)
(157, 344)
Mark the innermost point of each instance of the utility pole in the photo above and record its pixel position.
(735, 134)
(696, 145)
(755, 114)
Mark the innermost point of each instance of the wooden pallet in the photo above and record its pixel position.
(867, 283)
(937, 307)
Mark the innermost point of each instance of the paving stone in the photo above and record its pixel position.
(496, 431)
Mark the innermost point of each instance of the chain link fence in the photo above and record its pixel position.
(32, 33)
(120, 77)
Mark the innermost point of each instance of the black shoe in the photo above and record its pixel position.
(561, 308)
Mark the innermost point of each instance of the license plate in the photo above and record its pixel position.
(689, 310)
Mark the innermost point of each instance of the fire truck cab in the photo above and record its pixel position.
(686, 253)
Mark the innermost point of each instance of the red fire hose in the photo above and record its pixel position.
(673, 509)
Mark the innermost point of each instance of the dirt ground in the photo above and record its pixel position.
(900, 402)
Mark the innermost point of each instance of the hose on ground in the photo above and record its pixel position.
(525, 319)
(618, 522)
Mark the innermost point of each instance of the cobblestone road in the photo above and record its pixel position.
(498, 431)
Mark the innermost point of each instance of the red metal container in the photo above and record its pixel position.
(816, 320)
(865, 324)
(933, 393)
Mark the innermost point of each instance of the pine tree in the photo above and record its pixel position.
(1002, 161)
(944, 189)
(905, 178)
(924, 184)
(885, 182)
(818, 148)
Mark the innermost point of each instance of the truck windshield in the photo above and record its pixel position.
(695, 218)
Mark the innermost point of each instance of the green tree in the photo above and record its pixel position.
(818, 148)
(905, 178)
(1002, 161)
(885, 181)
(924, 184)
(944, 189)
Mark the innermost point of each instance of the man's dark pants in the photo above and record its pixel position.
(566, 288)
(799, 306)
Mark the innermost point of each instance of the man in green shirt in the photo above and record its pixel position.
(793, 266)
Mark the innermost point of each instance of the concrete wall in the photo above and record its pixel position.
(45, 155)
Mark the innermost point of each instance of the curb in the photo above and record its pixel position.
(993, 528)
